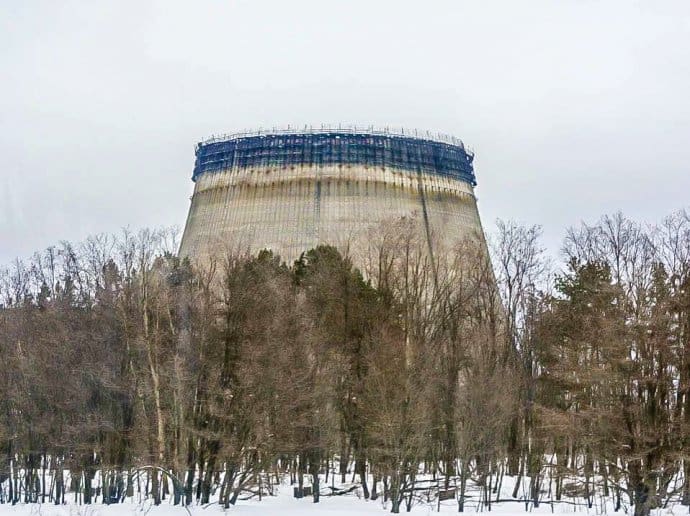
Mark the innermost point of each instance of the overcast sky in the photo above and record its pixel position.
(574, 108)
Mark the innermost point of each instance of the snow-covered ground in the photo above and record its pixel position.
(282, 503)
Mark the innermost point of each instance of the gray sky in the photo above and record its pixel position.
(574, 108)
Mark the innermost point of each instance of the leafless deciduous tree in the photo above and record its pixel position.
(433, 366)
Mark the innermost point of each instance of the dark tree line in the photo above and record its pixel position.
(121, 363)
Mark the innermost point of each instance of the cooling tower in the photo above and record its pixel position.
(289, 191)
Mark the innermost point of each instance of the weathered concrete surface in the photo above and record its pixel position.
(292, 209)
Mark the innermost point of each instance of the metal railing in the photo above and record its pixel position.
(340, 129)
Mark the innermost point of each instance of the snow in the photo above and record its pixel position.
(282, 503)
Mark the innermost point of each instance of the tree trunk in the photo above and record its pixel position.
(59, 484)
(463, 485)
(374, 482)
(395, 493)
(361, 468)
(155, 487)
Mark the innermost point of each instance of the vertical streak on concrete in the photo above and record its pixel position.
(317, 203)
(425, 216)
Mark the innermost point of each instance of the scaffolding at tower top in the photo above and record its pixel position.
(441, 155)
(341, 129)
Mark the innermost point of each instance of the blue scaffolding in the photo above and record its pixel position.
(333, 147)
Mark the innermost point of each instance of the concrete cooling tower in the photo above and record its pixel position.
(291, 190)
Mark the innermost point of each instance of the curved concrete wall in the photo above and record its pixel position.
(292, 209)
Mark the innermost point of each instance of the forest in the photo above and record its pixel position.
(120, 362)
